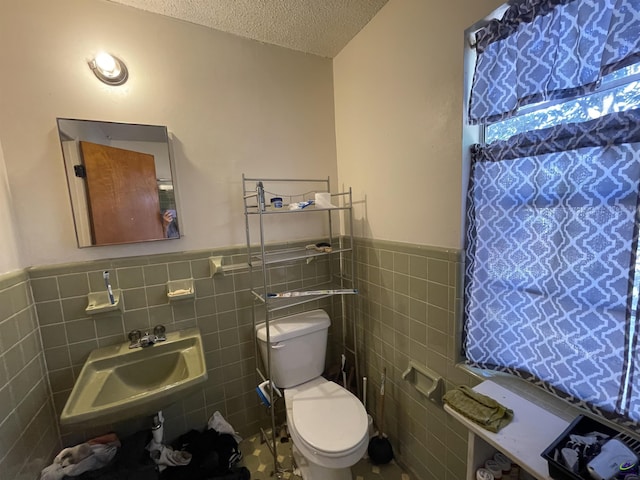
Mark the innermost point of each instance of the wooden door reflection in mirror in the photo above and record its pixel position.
(123, 195)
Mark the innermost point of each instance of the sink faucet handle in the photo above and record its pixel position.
(160, 332)
(135, 336)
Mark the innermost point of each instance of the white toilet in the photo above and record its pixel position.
(327, 423)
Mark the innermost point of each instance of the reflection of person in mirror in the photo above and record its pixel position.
(169, 224)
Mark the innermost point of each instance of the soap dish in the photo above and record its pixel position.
(180, 289)
(99, 302)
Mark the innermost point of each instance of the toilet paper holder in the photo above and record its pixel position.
(425, 380)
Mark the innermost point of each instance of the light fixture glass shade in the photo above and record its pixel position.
(109, 69)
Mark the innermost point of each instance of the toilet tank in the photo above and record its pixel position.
(298, 347)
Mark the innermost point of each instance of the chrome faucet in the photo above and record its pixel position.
(136, 339)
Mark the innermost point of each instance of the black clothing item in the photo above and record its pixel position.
(213, 457)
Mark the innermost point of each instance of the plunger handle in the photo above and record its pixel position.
(364, 392)
(384, 375)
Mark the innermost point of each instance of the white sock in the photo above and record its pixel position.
(168, 457)
(220, 425)
(73, 455)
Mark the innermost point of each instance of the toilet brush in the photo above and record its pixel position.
(380, 450)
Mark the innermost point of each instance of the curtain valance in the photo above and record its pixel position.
(547, 49)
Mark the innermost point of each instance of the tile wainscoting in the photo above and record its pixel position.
(408, 309)
(28, 427)
(410, 296)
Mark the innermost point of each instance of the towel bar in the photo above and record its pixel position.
(425, 380)
(216, 267)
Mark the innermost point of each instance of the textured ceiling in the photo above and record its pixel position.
(319, 27)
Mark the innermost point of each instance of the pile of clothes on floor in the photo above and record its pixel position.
(197, 455)
(92, 455)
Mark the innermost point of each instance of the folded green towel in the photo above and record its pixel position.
(478, 408)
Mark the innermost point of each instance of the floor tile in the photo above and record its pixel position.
(259, 460)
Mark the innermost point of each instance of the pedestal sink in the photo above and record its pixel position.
(119, 382)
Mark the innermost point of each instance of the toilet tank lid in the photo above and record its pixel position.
(284, 328)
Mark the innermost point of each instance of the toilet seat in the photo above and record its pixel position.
(327, 423)
(329, 418)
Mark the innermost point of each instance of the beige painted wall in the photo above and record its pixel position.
(10, 259)
(233, 105)
(398, 95)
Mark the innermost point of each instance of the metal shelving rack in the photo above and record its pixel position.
(260, 257)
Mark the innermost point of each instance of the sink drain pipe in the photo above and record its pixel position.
(157, 430)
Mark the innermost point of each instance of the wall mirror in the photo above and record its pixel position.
(120, 182)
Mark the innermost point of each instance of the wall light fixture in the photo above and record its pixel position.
(109, 69)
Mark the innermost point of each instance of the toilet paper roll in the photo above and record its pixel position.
(503, 462)
(483, 474)
(494, 468)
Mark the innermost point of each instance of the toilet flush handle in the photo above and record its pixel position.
(278, 345)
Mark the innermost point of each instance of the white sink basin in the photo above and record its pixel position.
(117, 382)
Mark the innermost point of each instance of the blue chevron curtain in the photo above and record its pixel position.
(551, 287)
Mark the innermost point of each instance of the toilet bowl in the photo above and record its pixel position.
(329, 428)
(327, 423)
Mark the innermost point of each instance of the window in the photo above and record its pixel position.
(619, 91)
(551, 289)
